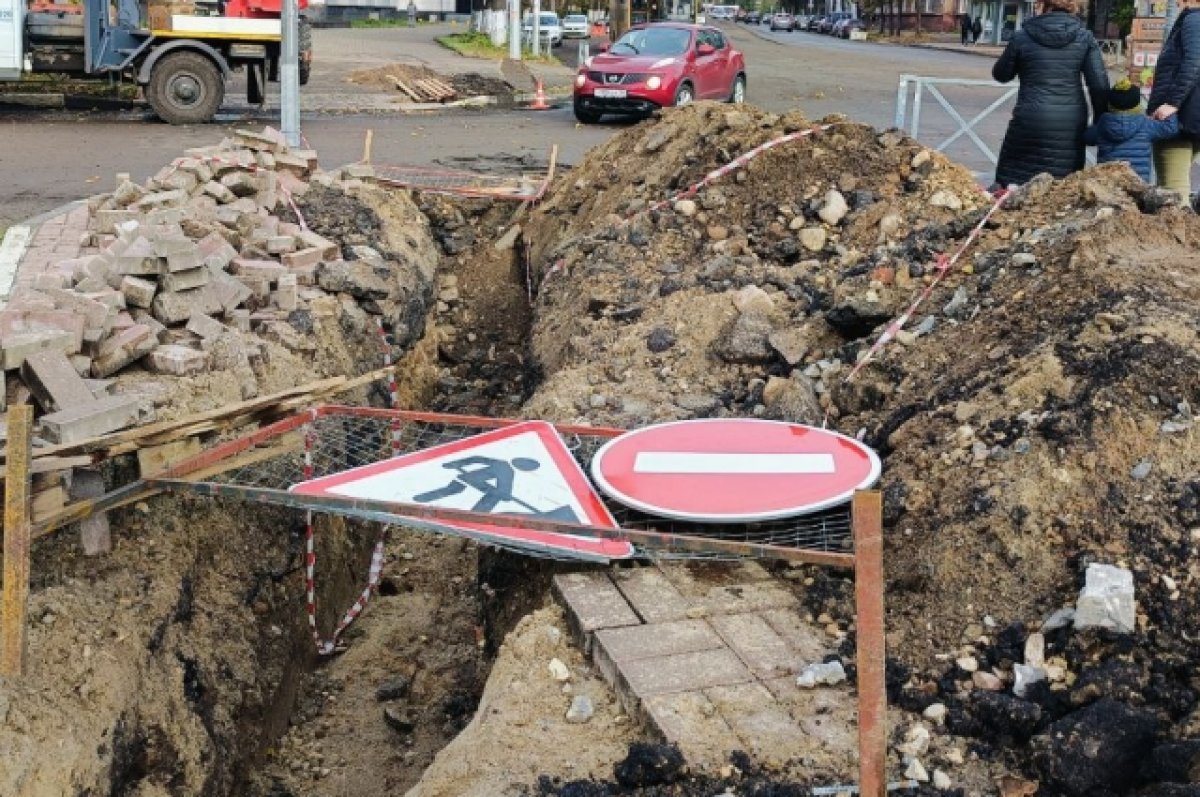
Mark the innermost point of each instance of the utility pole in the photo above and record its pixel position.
(289, 76)
(536, 29)
(514, 29)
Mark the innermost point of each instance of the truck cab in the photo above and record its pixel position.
(181, 61)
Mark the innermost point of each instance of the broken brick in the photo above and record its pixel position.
(178, 360)
(121, 349)
(92, 420)
(176, 281)
(138, 292)
(54, 382)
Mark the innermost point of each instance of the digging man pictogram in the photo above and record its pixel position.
(493, 479)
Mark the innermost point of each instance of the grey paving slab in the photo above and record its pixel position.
(757, 644)
(809, 642)
(755, 597)
(691, 721)
(592, 602)
(683, 672)
(697, 579)
(651, 594)
(659, 639)
(765, 729)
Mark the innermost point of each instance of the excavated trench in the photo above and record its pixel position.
(183, 663)
(371, 720)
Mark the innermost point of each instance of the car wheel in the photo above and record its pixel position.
(585, 116)
(684, 95)
(737, 95)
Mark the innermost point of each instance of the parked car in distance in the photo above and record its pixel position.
(658, 65)
(576, 26)
(801, 21)
(847, 26)
(549, 25)
(753, 18)
(814, 23)
(830, 20)
(783, 21)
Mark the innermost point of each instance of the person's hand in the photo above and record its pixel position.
(1165, 112)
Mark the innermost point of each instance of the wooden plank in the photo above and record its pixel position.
(157, 431)
(153, 460)
(17, 529)
(47, 502)
(867, 518)
(400, 84)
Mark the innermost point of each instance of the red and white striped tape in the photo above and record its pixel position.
(393, 387)
(326, 647)
(737, 163)
(943, 266)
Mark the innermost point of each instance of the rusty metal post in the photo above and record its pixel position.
(16, 541)
(867, 517)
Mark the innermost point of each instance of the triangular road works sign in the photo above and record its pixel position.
(520, 470)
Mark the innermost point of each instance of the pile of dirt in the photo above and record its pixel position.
(1034, 417)
(467, 84)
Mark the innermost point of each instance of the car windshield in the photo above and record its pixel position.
(654, 41)
(576, 18)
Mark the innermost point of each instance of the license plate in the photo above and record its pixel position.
(611, 94)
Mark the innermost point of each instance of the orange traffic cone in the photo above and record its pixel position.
(539, 99)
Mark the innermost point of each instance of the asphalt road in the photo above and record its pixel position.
(48, 158)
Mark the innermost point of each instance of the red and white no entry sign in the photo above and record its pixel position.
(735, 470)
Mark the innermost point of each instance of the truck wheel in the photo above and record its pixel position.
(185, 88)
(305, 51)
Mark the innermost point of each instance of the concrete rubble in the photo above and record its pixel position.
(209, 252)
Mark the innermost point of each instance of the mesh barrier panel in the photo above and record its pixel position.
(339, 439)
(462, 183)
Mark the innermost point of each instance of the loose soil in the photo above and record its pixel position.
(1034, 416)
(468, 84)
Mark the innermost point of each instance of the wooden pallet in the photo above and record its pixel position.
(425, 89)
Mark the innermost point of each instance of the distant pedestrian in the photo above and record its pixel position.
(1176, 93)
(412, 14)
(964, 22)
(976, 30)
(1046, 132)
(1125, 133)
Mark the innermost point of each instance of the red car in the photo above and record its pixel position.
(656, 65)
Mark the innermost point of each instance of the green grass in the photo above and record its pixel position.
(385, 23)
(479, 45)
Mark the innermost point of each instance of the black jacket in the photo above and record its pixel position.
(1178, 72)
(1048, 54)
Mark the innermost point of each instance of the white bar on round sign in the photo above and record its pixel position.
(693, 462)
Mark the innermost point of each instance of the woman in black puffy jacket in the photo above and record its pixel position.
(1046, 132)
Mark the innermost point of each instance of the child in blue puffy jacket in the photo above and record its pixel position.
(1124, 132)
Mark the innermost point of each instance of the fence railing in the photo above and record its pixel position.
(908, 115)
(964, 125)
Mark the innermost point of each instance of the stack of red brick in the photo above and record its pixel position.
(160, 273)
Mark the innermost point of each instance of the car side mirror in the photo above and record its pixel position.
(705, 49)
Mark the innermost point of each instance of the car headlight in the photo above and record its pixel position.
(580, 79)
(653, 82)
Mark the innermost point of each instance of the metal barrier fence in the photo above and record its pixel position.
(977, 132)
(908, 115)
